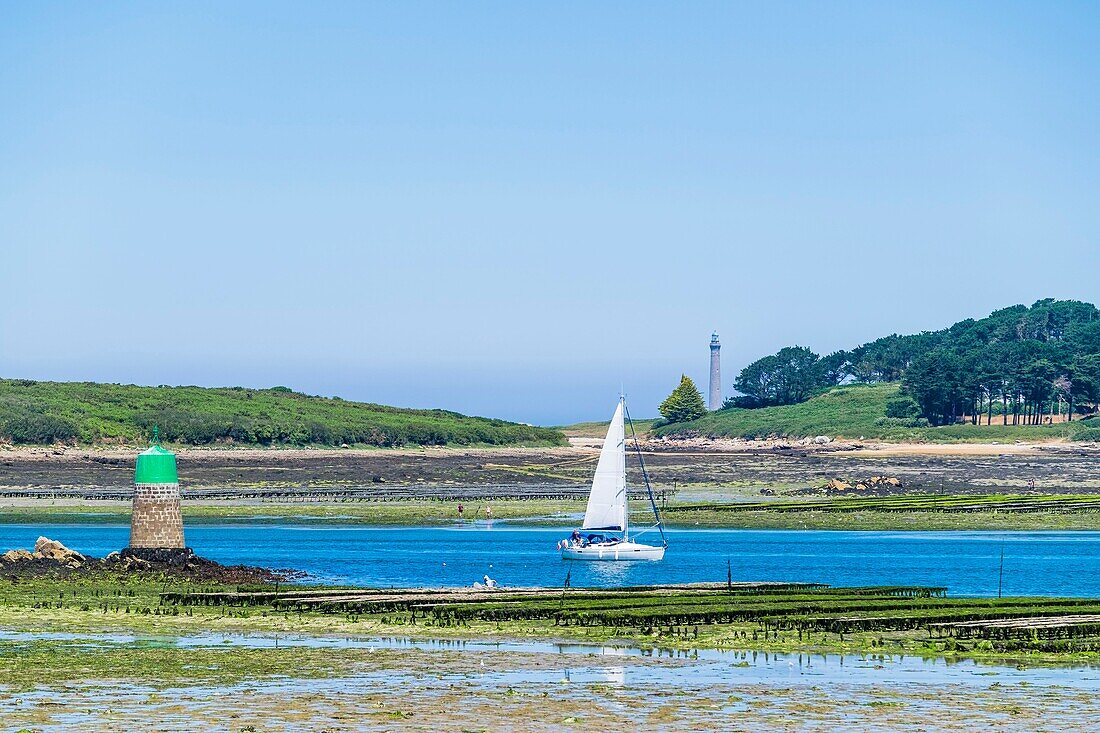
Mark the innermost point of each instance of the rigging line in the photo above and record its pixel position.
(645, 476)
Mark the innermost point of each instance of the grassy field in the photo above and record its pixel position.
(855, 412)
(42, 412)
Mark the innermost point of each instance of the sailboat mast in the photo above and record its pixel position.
(645, 474)
(622, 469)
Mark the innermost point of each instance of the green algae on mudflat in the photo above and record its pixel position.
(106, 603)
(435, 700)
(379, 513)
(816, 514)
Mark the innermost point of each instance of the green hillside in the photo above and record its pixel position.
(44, 412)
(856, 411)
(1028, 362)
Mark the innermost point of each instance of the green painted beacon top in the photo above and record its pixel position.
(156, 465)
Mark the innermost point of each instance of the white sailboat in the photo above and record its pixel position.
(606, 516)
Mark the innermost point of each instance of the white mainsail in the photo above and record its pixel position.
(607, 502)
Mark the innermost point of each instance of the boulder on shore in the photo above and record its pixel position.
(881, 485)
(53, 550)
(15, 556)
(52, 559)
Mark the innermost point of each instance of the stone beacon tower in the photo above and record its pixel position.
(156, 524)
(714, 401)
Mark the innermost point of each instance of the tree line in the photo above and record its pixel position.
(1016, 366)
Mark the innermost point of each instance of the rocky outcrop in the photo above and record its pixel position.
(166, 556)
(52, 559)
(47, 553)
(875, 485)
(128, 563)
(48, 549)
(14, 556)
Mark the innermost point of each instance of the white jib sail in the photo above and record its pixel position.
(607, 502)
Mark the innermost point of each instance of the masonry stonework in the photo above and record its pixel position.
(155, 519)
(714, 400)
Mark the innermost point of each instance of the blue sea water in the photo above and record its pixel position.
(967, 563)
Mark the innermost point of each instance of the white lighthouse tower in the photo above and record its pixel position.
(715, 396)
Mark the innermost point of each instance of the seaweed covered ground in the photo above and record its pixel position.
(111, 651)
(487, 690)
(786, 617)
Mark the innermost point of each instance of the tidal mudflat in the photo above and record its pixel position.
(105, 651)
(496, 473)
(696, 483)
(406, 684)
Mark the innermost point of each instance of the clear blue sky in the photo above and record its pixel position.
(511, 208)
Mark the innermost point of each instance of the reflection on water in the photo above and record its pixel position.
(588, 662)
(606, 573)
(549, 700)
(477, 685)
(615, 675)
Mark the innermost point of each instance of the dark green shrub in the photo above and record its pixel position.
(902, 422)
(902, 407)
(37, 428)
(1091, 435)
(179, 426)
(321, 434)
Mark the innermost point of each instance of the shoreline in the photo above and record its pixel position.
(840, 485)
(554, 514)
(649, 444)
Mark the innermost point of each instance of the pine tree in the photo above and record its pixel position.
(685, 403)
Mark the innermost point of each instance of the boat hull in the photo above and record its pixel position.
(622, 551)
